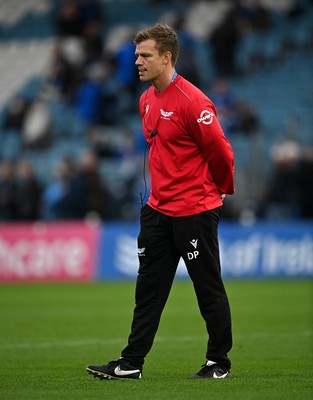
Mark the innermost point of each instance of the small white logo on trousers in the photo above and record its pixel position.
(194, 254)
(141, 252)
(194, 242)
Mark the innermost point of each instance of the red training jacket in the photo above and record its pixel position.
(191, 162)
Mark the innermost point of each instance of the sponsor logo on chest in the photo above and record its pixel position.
(166, 114)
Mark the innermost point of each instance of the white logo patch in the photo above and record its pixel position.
(215, 376)
(194, 254)
(119, 372)
(194, 242)
(166, 114)
(141, 252)
(147, 108)
(206, 117)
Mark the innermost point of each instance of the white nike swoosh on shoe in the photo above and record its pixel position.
(120, 372)
(219, 376)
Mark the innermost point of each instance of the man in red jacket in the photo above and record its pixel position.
(192, 169)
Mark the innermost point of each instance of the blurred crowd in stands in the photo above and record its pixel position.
(92, 72)
(290, 190)
(77, 191)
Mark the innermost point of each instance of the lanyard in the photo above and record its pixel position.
(174, 76)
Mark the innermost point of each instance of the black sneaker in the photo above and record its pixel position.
(119, 369)
(211, 370)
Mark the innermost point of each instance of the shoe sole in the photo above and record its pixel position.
(224, 376)
(102, 375)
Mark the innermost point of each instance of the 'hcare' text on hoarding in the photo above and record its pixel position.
(52, 252)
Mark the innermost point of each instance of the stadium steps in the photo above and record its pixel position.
(19, 63)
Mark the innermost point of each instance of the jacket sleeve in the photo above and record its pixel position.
(207, 132)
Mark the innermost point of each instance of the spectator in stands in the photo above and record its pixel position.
(236, 116)
(61, 74)
(223, 41)
(305, 181)
(92, 42)
(244, 17)
(68, 21)
(254, 13)
(15, 112)
(91, 11)
(76, 18)
(7, 191)
(80, 44)
(186, 64)
(224, 101)
(290, 190)
(126, 75)
(54, 197)
(27, 193)
(77, 192)
(87, 192)
(90, 94)
(247, 120)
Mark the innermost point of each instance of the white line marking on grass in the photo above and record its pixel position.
(103, 342)
(60, 343)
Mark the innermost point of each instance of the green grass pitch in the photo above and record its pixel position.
(50, 332)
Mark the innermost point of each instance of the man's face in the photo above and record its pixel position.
(150, 63)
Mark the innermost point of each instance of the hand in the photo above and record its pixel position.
(223, 196)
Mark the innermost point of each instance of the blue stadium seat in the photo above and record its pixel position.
(11, 144)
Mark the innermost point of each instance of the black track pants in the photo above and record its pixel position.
(161, 242)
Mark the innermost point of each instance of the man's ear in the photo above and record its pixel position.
(167, 57)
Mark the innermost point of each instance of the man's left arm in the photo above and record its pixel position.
(216, 149)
